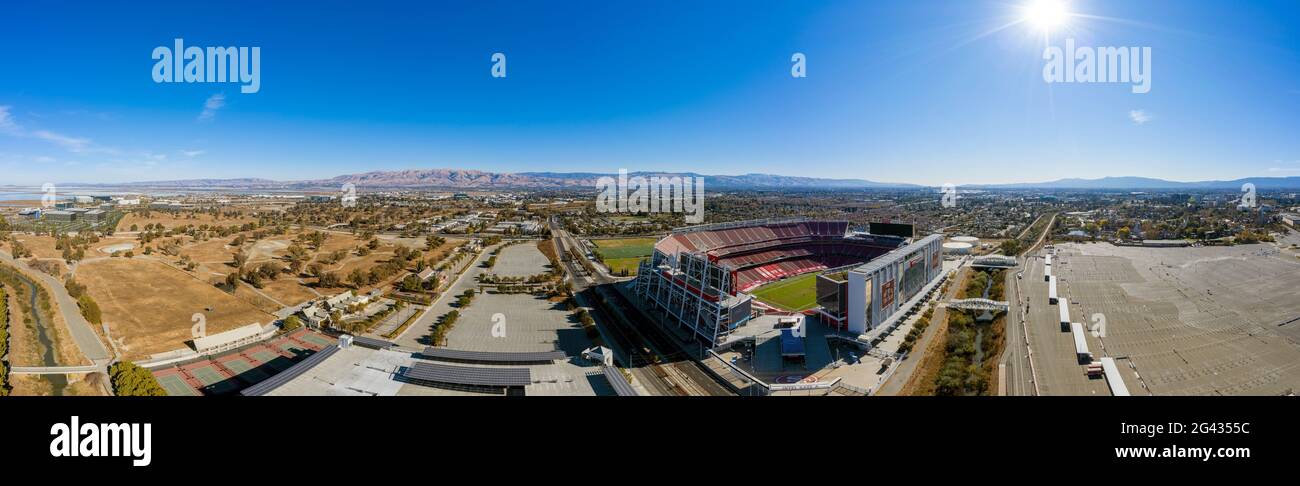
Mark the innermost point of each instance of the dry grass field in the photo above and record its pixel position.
(39, 386)
(42, 247)
(174, 220)
(148, 303)
(148, 300)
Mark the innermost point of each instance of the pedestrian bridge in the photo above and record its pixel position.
(994, 261)
(56, 370)
(979, 304)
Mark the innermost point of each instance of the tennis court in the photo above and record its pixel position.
(231, 372)
(263, 354)
(244, 370)
(293, 348)
(176, 386)
(316, 339)
(212, 379)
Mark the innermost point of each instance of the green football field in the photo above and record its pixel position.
(624, 253)
(625, 247)
(794, 294)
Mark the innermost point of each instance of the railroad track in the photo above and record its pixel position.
(672, 369)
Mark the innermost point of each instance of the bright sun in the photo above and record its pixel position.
(1046, 14)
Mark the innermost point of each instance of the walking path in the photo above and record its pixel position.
(82, 333)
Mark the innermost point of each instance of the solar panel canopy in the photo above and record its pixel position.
(493, 357)
(270, 384)
(468, 375)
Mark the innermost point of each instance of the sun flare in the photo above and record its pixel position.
(1046, 14)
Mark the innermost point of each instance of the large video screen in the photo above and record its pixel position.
(892, 229)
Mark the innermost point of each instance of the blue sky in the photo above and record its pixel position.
(922, 91)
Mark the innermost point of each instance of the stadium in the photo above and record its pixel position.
(711, 279)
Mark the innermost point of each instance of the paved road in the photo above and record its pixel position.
(57, 370)
(82, 333)
(1016, 360)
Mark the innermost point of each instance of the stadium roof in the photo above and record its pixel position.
(466, 375)
(892, 256)
(747, 235)
(493, 357)
(270, 384)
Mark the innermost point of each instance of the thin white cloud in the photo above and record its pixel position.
(7, 124)
(1140, 117)
(1283, 166)
(192, 153)
(210, 107)
(77, 145)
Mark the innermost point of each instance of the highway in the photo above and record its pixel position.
(655, 360)
(1018, 360)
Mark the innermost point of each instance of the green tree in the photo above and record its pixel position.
(412, 283)
(90, 309)
(1010, 247)
(291, 323)
(130, 380)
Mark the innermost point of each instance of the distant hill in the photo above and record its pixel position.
(1146, 183)
(475, 179)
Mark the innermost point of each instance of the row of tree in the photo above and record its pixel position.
(4, 343)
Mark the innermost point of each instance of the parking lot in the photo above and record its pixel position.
(520, 260)
(522, 323)
(1179, 321)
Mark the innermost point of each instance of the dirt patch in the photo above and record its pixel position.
(266, 250)
(116, 247)
(148, 304)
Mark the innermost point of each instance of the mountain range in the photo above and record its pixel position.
(475, 179)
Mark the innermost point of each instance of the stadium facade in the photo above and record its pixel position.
(879, 288)
(700, 276)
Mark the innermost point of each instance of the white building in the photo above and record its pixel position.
(234, 338)
(880, 287)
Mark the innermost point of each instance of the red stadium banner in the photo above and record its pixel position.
(887, 294)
